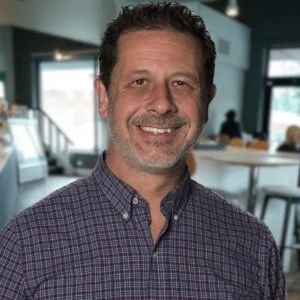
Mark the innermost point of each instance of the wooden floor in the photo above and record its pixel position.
(30, 193)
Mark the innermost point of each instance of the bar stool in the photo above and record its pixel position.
(291, 196)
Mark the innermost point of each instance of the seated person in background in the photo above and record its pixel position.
(292, 140)
(230, 127)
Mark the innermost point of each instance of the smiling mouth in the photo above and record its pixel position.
(155, 130)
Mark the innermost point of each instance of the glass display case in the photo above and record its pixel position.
(32, 163)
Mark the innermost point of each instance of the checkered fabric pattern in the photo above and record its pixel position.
(91, 240)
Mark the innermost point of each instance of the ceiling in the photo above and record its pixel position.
(221, 5)
(252, 10)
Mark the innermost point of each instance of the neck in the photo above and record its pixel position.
(151, 186)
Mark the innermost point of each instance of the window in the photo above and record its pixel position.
(284, 63)
(282, 93)
(67, 96)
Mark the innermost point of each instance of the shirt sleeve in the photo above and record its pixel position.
(274, 281)
(11, 271)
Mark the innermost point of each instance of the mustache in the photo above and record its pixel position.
(165, 121)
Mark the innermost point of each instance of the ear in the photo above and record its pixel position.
(210, 97)
(213, 92)
(102, 98)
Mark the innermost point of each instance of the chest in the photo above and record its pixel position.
(122, 262)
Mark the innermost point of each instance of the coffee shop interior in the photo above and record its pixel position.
(51, 134)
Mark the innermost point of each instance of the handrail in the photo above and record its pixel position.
(54, 124)
(56, 142)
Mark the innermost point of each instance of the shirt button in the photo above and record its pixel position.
(175, 217)
(125, 216)
(135, 200)
(154, 255)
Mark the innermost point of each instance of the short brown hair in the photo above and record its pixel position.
(155, 16)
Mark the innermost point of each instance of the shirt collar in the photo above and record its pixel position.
(121, 194)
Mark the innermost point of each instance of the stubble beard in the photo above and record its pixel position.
(154, 161)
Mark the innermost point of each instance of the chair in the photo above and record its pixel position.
(223, 138)
(291, 196)
(191, 162)
(259, 145)
(237, 142)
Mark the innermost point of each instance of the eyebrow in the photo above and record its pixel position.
(182, 74)
(138, 71)
(187, 75)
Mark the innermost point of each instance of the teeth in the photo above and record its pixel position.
(157, 130)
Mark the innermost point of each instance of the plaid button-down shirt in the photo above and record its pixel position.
(91, 240)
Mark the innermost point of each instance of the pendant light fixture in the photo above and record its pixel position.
(232, 9)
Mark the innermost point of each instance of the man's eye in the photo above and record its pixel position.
(179, 83)
(139, 82)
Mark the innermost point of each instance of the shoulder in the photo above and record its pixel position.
(60, 208)
(67, 197)
(37, 235)
(239, 240)
(226, 217)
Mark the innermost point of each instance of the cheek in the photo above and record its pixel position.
(123, 109)
(194, 112)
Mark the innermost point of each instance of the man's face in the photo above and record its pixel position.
(155, 103)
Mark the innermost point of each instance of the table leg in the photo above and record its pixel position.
(251, 199)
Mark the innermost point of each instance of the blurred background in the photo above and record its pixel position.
(48, 60)
(50, 132)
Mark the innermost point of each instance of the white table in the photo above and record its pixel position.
(253, 159)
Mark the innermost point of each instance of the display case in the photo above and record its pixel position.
(32, 163)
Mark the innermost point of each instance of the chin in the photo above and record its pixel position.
(158, 163)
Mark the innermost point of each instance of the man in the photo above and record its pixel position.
(230, 127)
(138, 227)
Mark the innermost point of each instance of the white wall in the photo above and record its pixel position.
(237, 34)
(230, 87)
(231, 67)
(79, 20)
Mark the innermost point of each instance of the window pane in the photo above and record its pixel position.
(285, 111)
(67, 96)
(284, 63)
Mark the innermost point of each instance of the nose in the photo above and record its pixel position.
(161, 100)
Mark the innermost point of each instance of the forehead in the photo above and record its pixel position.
(140, 36)
(159, 45)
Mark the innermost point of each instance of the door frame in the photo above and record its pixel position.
(271, 83)
(39, 58)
